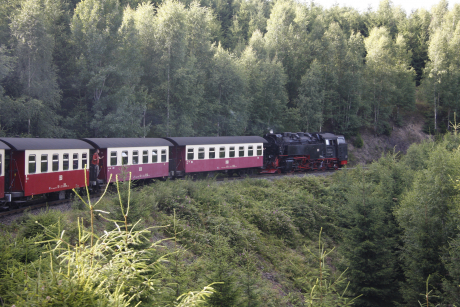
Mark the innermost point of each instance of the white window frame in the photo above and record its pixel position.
(217, 148)
(140, 151)
(38, 160)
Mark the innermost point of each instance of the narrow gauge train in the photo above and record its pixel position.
(53, 167)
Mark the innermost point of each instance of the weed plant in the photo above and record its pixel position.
(246, 237)
(106, 269)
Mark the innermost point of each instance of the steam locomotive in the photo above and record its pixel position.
(302, 151)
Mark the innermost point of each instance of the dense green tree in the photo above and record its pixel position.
(389, 77)
(288, 39)
(441, 78)
(330, 92)
(415, 30)
(226, 106)
(94, 28)
(311, 98)
(265, 91)
(428, 218)
(371, 238)
(35, 70)
(221, 270)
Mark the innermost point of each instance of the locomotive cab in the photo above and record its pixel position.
(342, 150)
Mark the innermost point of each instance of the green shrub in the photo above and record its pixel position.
(358, 143)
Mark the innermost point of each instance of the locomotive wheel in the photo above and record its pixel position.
(323, 168)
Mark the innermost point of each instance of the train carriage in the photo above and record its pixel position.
(143, 157)
(3, 147)
(230, 154)
(43, 166)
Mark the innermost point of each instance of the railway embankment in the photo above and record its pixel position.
(399, 139)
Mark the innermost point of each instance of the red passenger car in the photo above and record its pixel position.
(229, 154)
(3, 147)
(143, 157)
(44, 166)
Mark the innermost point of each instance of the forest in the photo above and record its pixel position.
(127, 68)
(384, 235)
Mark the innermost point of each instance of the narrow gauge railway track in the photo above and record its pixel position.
(41, 203)
(276, 176)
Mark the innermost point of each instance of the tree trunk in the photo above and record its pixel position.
(167, 98)
(435, 110)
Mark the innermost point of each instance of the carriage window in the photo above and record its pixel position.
(135, 157)
(241, 151)
(32, 164)
(163, 155)
(145, 156)
(232, 152)
(55, 162)
(190, 154)
(124, 157)
(212, 153)
(44, 164)
(65, 162)
(154, 156)
(259, 150)
(75, 161)
(250, 151)
(84, 161)
(201, 153)
(222, 152)
(113, 158)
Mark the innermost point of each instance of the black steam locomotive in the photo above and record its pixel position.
(301, 151)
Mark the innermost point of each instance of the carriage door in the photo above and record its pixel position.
(7, 170)
(330, 149)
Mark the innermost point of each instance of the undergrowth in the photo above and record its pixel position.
(249, 239)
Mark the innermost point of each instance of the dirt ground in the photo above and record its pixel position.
(399, 140)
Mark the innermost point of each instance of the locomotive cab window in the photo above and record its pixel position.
(135, 157)
(201, 153)
(241, 151)
(212, 153)
(222, 152)
(250, 151)
(65, 162)
(124, 157)
(145, 156)
(232, 152)
(113, 158)
(327, 142)
(75, 161)
(163, 155)
(190, 154)
(55, 162)
(154, 156)
(84, 161)
(32, 164)
(259, 150)
(44, 164)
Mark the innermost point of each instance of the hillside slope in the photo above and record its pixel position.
(400, 140)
